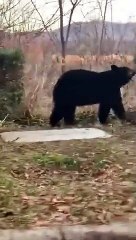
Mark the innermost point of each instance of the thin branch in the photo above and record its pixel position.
(42, 20)
(34, 5)
(74, 4)
(62, 28)
(103, 22)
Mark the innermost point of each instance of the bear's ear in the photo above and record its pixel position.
(114, 67)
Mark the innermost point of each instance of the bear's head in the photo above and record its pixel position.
(124, 74)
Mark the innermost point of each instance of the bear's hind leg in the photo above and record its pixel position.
(56, 116)
(69, 115)
(103, 113)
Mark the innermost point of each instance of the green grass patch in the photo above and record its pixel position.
(57, 161)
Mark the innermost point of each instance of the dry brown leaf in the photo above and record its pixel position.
(69, 198)
(60, 217)
(41, 223)
(27, 176)
(57, 200)
(63, 209)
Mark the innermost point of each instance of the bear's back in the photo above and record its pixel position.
(84, 78)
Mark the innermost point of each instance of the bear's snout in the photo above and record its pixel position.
(132, 73)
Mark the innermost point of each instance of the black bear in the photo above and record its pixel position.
(82, 87)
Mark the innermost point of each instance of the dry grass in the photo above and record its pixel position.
(39, 82)
(69, 182)
(42, 70)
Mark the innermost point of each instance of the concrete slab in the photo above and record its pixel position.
(53, 135)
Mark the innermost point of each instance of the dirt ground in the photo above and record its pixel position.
(70, 182)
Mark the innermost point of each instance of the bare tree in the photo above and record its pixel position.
(64, 40)
(19, 13)
(13, 14)
(103, 16)
(45, 25)
(51, 20)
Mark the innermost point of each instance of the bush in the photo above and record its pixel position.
(11, 86)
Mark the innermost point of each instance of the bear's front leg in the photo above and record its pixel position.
(119, 110)
(117, 105)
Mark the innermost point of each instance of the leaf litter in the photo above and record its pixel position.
(72, 182)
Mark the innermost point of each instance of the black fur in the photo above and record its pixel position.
(82, 87)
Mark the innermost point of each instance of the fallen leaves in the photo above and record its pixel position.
(94, 184)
